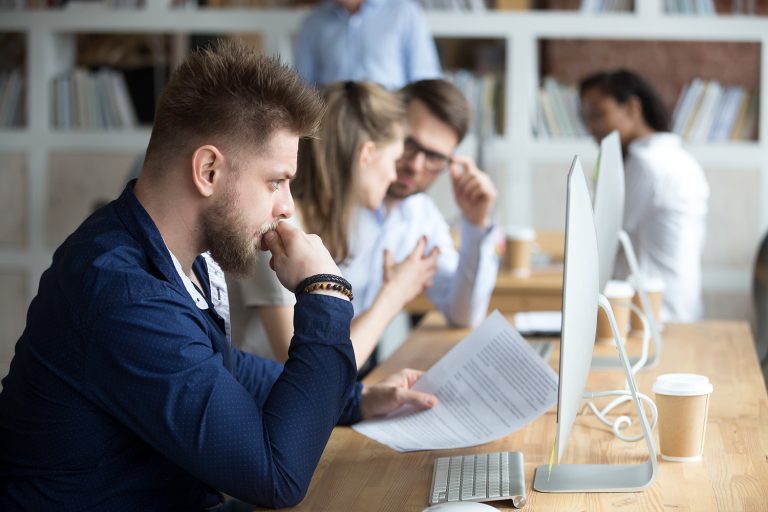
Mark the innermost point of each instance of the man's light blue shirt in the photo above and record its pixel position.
(385, 41)
(464, 280)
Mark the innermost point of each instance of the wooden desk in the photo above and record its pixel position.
(358, 474)
(541, 291)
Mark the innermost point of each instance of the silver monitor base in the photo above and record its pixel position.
(605, 477)
(594, 477)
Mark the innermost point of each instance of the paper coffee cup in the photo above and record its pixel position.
(682, 400)
(619, 294)
(654, 289)
(517, 254)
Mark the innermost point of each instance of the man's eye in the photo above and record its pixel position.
(275, 184)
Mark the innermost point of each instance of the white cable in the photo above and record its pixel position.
(622, 422)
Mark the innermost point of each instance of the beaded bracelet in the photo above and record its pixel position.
(330, 287)
(324, 278)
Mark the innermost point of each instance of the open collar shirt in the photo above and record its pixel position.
(465, 279)
(125, 395)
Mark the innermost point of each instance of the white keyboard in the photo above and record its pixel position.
(480, 477)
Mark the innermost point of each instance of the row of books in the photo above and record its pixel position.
(709, 111)
(11, 99)
(706, 111)
(557, 112)
(84, 99)
(704, 7)
(485, 93)
(454, 5)
(606, 5)
(69, 4)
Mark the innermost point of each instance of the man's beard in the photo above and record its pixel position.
(226, 234)
(397, 192)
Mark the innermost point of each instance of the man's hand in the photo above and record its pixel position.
(384, 397)
(297, 255)
(405, 280)
(474, 191)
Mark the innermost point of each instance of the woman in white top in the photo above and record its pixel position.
(349, 165)
(666, 191)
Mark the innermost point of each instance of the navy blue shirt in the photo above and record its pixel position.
(124, 395)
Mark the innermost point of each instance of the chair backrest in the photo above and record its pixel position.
(760, 299)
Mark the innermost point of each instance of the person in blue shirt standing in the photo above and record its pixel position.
(125, 392)
(382, 41)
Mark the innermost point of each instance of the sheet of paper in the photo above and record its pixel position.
(489, 385)
(531, 323)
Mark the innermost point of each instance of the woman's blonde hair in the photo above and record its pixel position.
(326, 184)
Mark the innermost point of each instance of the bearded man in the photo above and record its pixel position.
(125, 392)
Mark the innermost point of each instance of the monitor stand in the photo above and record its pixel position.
(610, 363)
(605, 477)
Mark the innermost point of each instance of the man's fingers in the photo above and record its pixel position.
(388, 261)
(416, 398)
(272, 241)
(418, 251)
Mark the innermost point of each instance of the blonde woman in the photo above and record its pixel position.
(348, 166)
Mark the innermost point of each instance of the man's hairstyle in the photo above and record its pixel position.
(622, 85)
(328, 176)
(444, 101)
(230, 96)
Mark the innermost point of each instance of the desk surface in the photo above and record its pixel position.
(541, 291)
(356, 473)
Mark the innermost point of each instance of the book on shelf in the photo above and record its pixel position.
(454, 5)
(745, 126)
(698, 7)
(708, 111)
(702, 125)
(559, 105)
(84, 99)
(593, 6)
(11, 99)
(484, 92)
(727, 110)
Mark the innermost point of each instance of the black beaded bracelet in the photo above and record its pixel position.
(336, 287)
(323, 278)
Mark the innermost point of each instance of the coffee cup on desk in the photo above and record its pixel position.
(682, 401)
(654, 289)
(518, 248)
(619, 294)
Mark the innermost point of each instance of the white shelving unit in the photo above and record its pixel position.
(50, 50)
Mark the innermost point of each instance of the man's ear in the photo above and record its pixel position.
(367, 149)
(207, 169)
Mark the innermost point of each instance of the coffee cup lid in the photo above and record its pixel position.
(650, 284)
(618, 290)
(520, 232)
(682, 384)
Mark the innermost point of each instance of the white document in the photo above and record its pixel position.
(489, 385)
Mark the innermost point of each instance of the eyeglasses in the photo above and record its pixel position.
(434, 162)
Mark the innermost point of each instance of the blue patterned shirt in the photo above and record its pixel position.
(124, 395)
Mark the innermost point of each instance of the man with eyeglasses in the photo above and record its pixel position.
(438, 116)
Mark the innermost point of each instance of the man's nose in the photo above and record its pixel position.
(415, 164)
(284, 207)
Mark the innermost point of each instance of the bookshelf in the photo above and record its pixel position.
(528, 169)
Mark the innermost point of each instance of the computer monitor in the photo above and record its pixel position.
(581, 296)
(609, 204)
(609, 217)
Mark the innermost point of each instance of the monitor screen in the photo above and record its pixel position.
(609, 203)
(580, 293)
